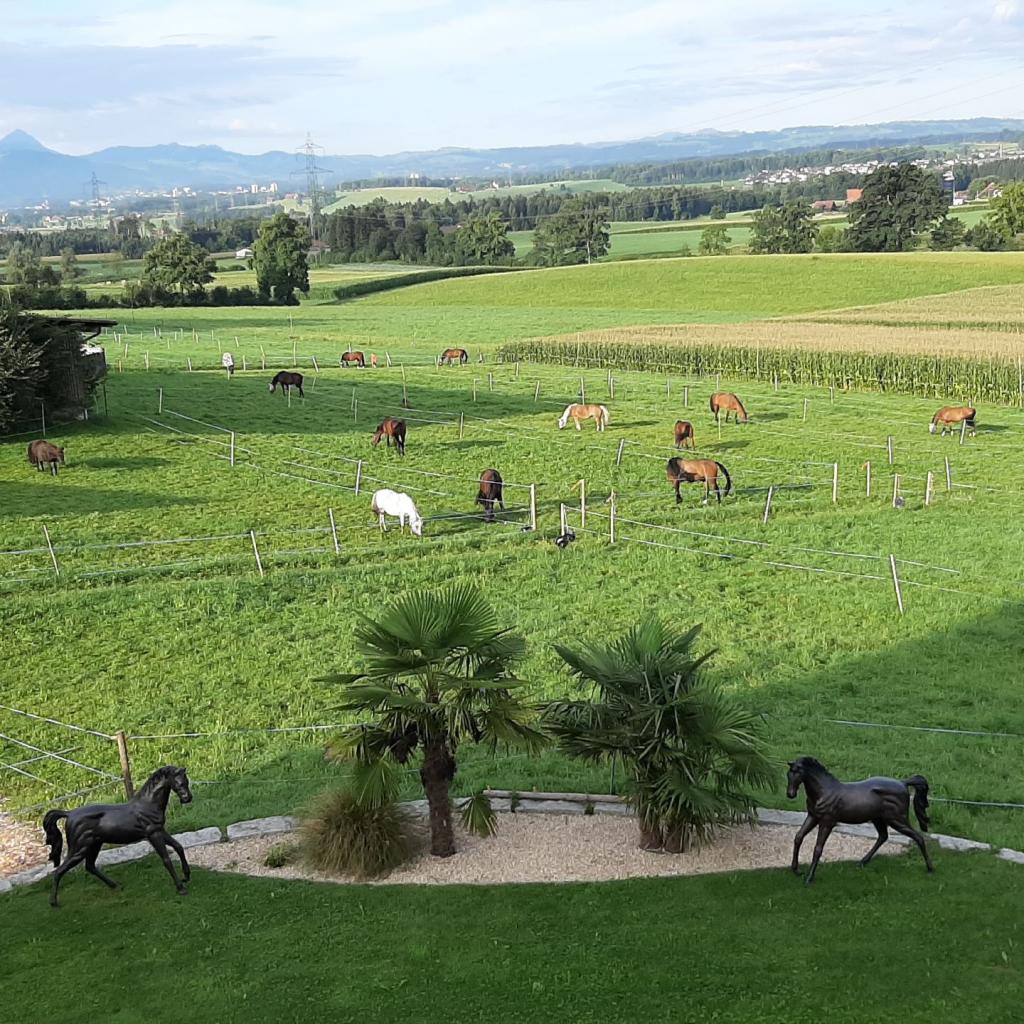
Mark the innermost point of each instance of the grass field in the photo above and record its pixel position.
(752, 948)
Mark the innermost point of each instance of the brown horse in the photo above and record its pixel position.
(287, 380)
(42, 453)
(392, 430)
(729, 403)
(950, 416)
(684, 433)
(578, 412)
(352, 357)
(691, 471)
(490, 493)
(451, 355)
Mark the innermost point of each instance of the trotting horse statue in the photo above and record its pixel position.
(883, 802)
(89, 827)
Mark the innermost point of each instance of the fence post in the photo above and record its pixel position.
(949, 477)
(475, 380)
(583, 504)
(767, 504)
(536, 392)
(189, 360)
(805, 410)
(244, 367)
(668, 387)
(867, 479)
(147, 360)
(490, 381)
(963, 430)
(462, 423)
(355, 409)
(533, 506)
(583, 393)
(334, 531)
(126, 765)
(835, 483)
(895, 488)
(517, 370)
(896, 583)
(315, 367)
(359, 473)
(832, 393)
(618, 454)
(888, 446)
(288, 392)
(387, 356)
(263, 358)
(53, 554)
(232, 447)
(611, 519)
(686, 397)
(256, 552)
(561, 518)
(928, 488)
(718, 382)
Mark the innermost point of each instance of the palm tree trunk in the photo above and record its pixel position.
(436, 776)
(677, 839)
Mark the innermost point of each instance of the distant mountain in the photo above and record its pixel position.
(30, 172)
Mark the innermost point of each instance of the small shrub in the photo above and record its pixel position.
(340, 835)
(478, 816)
(281, 854)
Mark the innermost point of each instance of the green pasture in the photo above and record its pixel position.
(187, 637)
(747, 948)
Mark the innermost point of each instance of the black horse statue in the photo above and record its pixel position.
(89, 827)
(883, 802)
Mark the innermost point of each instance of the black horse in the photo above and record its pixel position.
(89, 827)
(287, 380)
(884, 802)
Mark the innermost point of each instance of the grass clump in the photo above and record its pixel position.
(281, 854)
(341, 835)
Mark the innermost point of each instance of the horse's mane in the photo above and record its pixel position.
(156, 778)
(812, 763)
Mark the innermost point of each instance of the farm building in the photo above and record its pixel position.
(853, 194)
(243, 254)
(824, 206)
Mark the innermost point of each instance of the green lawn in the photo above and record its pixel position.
(751, 948)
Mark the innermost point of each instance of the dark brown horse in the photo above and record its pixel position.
(727, 402)
(490, 493)
(695, 471)
(452, 355)
(684, 433)
(884, 802)
(391, 429)
(287, 380)
(950, 416)
(352, 357)
(42, 453)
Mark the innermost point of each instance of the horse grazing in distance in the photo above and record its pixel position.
(950, 416)
(490, 493)
(684, 433)
(394, 503)
(352, 357)
(142, 817)
(287, 380)
(584, 412)
(42, 453)
(884, 802)
(451, 355)
(693, 471)
(729, 403)
(391, 429)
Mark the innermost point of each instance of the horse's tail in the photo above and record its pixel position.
(54, 840)
(919, 784)
(711, 404)
(728, 481)
(604, 415)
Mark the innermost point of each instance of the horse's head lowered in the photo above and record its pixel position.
(377, 436)
(565, 418)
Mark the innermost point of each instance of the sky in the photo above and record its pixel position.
(395, 75)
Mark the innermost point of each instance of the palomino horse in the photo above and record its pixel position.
(352, 357)
(584, 412)
(883, 802)
(684, 433)
(950, 416)
(727, 402)
(391, 429)
(42, 453)
(454, 355)
(490, 493)
(695, 471)
(89, 827)
(287, 380)
(394, 503)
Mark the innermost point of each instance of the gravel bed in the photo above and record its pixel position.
(21, 846)
(551, 848)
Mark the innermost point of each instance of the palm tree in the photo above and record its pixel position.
(438, 673)
(692, 751)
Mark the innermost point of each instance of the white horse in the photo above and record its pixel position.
(394, 503)
(584, 412)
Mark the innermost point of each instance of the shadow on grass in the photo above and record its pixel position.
(127, 462)
(25, 499)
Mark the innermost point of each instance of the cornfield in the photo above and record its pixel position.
(957, 378)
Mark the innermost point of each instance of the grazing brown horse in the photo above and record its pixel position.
(490, 493)
(287, 380)
(352, 357)
(950, 416)
(391, 429)
(729, 403)
(451, 355)
(578, 412)
(42, 453)
(695, 471)
(684, 433)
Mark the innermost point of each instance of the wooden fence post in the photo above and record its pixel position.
(867, 479)
(126, 765)
(490, 381)
(562, 518)
(805, 410)
(53, 554)
(475, 381)
(160, 401)
(533, 506)
(146, 355)
(189, 360)
(244, 366)
(686, 397)
(896, 583)
(387, 356)
(895, 488)
(355, 410)
(668, 388)
(949, 476)
(889, 448)
(832, 393)
(928, 487)
(618, 454)
(359, 474)
(462, 423)
(611, 519)
(256, 552)
(767, 504)
(583, 393)
(232, 455)
(334, 531)
(536, 392)
(583, 504)
(963, 430)
(835, 483)
(315, 367)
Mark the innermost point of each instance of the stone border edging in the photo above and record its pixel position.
(501, 800)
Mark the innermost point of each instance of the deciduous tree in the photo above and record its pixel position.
(897, 204)
(578, 233)
(1007, 214)
(176, 264)
(714, 241)
(280, 260)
